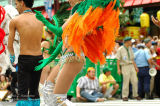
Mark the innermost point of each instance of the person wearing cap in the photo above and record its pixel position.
(108, 83)
(88, 87)
(125, 59)
(148, 44)
(149, 48)
(134, 43)
(154, 45)
(154, 48)
(143, 62)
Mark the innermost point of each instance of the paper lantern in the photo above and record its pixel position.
(158, 15)
(144, 20)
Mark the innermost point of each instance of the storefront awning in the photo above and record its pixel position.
(132, 3)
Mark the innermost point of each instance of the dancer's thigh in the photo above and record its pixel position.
(44, 74)
(72, 68)
(53, 73)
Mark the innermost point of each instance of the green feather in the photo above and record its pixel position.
(75, 8)
(63, 13)
(84, 5)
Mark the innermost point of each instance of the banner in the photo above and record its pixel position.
(133, 31)
(48, 8)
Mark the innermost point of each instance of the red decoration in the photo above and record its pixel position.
(130, 3)
(2, 33)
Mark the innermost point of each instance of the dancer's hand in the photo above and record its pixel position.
(137, 70)
(39, 16)
(156, 22)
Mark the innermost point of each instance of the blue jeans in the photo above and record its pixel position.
(143, 81)
(91, 97)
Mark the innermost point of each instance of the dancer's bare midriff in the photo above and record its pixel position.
(66, 48)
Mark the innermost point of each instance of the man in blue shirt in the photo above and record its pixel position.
(143, 62)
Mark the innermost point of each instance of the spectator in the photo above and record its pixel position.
(143, 62)
(134, 43)
(154, 48)
(88, 87)
(108, 83)
(148, 44)
(4, 84)
(113, 54)
(157, 77)
(155, 38)
(149, 37)
(125, 58)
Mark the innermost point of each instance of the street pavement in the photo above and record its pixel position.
(155, 102)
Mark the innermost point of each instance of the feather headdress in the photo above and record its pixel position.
(93, 28)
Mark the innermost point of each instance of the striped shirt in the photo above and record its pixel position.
(88, 85)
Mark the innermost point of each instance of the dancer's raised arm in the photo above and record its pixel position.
(56, 30)
(156, 21)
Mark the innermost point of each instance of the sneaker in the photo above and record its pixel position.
(125, 99)
(138, 98)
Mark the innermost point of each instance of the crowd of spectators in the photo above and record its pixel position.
(135, 58)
